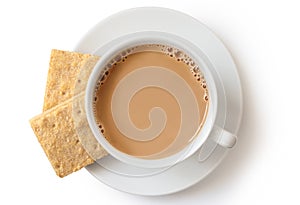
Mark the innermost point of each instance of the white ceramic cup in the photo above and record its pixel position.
(220, 136)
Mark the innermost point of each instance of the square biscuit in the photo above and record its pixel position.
(64, 69)
(55, 131)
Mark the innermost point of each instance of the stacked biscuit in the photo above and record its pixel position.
(62, 128)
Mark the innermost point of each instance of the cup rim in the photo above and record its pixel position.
(142, 38)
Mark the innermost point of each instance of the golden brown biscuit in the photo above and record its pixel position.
(64, 68)
(56, 134)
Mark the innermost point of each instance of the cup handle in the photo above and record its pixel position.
(223, 137)
(218, 136)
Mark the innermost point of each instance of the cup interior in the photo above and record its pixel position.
(113, 49)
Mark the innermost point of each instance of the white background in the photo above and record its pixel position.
(264, 38)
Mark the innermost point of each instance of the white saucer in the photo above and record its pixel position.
(190, 171)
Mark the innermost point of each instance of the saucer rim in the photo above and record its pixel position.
(84, 46)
